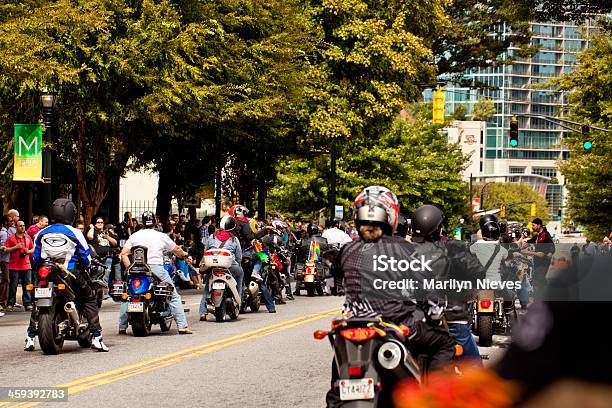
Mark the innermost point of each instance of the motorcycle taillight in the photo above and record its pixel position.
(219, 274)
(485, 304)
(43, 272)
(358, 333)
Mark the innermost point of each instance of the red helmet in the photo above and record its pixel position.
(377, 204)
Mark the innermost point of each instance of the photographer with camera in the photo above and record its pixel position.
(20, 246)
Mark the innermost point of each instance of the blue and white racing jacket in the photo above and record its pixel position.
(63, 244)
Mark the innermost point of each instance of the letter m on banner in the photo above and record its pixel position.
(28, 153)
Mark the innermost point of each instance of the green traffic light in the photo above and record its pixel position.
(587, 145)
(514, 143)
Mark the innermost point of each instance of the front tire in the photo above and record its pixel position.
(485, 330)
(51, 342)
(255, 303)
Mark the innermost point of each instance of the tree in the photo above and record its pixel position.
(460, 112)
(497, 194)
(414, 160)
(588, 173)
(122, 70)
(484, 109)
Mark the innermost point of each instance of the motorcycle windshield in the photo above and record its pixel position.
(139, 284)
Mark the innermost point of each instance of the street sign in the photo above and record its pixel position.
(28, 153)
(339, 212)
(475, 204)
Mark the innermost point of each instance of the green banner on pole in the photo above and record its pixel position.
(28, 153)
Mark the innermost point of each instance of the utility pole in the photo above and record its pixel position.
(332, 182)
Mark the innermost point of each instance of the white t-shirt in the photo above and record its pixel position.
(336, 236)
(156, 243)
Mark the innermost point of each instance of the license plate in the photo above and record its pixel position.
(43, 293)
(361, 389)
(218, 285)
(135, 307)
(308, 278)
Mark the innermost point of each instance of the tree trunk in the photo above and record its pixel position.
(164, 197)
(218, 192)
(262, 192)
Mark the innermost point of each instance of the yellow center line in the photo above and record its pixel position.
(145, 366)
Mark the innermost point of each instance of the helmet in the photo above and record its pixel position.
(239, 211)
(503, 226)
(403, 224)
(148, 219)
(486, 218)
(490, 230)
(377, 204)
(63, 211)
(426, 222)
(228, 223)
(312, 229)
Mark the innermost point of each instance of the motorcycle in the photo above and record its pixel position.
(251, 296)
(274, 274)
(223, 293)
(146, 296)
(311, 277)
(59, 317)
(490, 317)
(370, 358)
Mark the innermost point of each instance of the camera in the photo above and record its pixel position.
(23, 254)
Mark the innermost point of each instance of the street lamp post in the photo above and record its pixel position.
(47, 100)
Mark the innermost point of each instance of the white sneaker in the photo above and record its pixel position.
(2, 314)
(98, 344)
(29, 344)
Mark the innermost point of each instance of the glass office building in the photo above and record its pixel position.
(519, 89)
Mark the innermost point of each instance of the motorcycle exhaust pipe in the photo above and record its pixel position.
(254, 288)
(70, 309)
(390, 355)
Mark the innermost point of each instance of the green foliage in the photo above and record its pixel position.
(460, 112)
(484, 109)
(414, 161)
(496, 194)
(588, 173)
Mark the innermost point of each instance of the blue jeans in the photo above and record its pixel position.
(26, 279)
(462, 333)
(176, 307)
(237, 273)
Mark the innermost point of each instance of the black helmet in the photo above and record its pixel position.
(503, 226)
(486, 218)
(228, 223)
(426, 222)
(403, 225)
(148, 219)
(490, 231)
(312, 229)
(63, 211)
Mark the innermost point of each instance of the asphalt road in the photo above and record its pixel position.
(259, 360)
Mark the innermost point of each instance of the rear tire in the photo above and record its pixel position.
(141, 324)
(485, 330)
(51, 342)
(165, 325)
(220, 313)
(310, 289)
(319, 289)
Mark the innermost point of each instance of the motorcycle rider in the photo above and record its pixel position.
(245, 235)
(276, 239)
(156, 243)
(75, 254)
(224, 238)
(453, 261)
(489, 252)
(376, 211)
(314, 235)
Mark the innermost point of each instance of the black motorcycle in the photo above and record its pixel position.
(59, 317)
(251, 295)
(370, 358)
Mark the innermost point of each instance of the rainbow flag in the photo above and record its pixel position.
(258, 248)
(314, 253)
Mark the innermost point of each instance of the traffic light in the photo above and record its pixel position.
(514, 132)
(438, 107)
(502, 211)
(534, 209)
(586, 142)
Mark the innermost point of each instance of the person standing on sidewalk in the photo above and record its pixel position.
(542, 255)
(7, 222)
(20, 246)
(41, 223)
